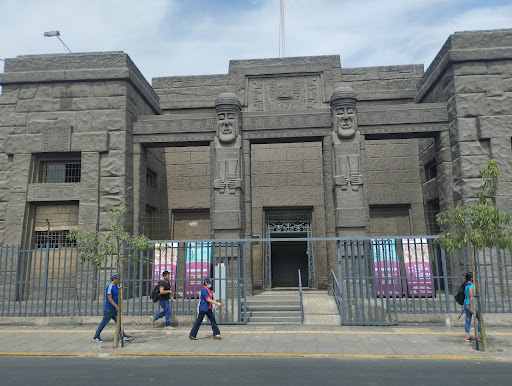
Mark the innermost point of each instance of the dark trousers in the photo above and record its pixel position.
(107, 316)
(199, 320)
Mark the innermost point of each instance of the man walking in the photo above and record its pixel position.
(165, 295)
(110, 309)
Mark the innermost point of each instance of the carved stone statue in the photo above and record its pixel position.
(228, 144)
(345, 139)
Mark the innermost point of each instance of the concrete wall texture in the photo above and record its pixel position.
(364, 151)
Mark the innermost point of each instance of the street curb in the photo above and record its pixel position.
(261, 355)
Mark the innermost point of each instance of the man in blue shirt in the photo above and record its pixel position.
(205, 308)
(110, 309)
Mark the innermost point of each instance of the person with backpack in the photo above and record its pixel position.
(205, 308)
(470, 307)
(165, 295)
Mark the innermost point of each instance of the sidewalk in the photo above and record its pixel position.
(433, 342)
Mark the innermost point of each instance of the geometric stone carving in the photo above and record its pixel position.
(401, 114)
(53, 192)
(56, 139)
(284, 93)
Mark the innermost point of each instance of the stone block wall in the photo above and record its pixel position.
(188, 178)
(393, 178)
(287, 176)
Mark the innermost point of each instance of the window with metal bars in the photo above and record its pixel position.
(56, 239)
(59, 171)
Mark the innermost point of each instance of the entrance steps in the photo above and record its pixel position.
(274, 307)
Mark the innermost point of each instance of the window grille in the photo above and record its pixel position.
(56, 239)
(60, 172)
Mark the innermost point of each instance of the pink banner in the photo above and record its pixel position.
(165, 260)
(417, 268)
(197, 268)
(386, 268)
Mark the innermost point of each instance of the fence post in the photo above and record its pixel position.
(447, 289)
(140, 281)
(46, 275)
(340, 284)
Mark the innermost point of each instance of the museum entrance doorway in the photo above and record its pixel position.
(283, 259)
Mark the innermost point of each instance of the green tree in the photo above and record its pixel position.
(94, 246)
(480, 224)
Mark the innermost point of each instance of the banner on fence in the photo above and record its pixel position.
(386, 268)
(165, 260)
(417, 268)
(197, 267)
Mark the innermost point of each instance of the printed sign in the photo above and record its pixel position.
(197, 267)
(417, 268)
(165, 260)
(386, 268)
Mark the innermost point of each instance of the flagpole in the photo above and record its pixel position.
(282, 29)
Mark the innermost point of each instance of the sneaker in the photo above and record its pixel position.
(479, 338)
(97, 340)
(217, 337)
(152, 322)
(469, 339)
(127, 338)
(168, 328)
(192, 337)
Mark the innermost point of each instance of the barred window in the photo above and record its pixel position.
(56, 239)
(430, 171)
(60, 171)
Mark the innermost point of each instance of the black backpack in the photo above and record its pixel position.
(155, 293)
(459, 298)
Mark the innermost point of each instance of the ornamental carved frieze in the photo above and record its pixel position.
(53, 192)
(287, 121)
(390, 116)
(56, 139)
(281, 93)
(174, 125)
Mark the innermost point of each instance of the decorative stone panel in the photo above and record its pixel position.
(53, 192)
(285, 93)
(56, 139)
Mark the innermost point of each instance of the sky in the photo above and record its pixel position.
(197, 37)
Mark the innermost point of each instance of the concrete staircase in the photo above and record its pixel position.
(274, 307)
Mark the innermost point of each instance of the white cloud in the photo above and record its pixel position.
(177, 37)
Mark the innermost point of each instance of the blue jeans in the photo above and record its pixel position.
(199, 319)
(167, 312)
(469, 316)
(107, 315)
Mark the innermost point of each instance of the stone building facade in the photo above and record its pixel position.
(293, 146)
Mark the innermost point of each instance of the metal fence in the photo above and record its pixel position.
(53, 282)
(380, 278)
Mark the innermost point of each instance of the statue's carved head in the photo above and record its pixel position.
(343, 110)
(228, 118)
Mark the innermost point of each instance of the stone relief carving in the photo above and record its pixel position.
(292, 121)
(405, 115)
(228, 144)
(174, 125)
(345, 139)
(53, 192)
(56, 139)
(284, 93)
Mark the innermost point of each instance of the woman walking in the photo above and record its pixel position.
(205, 308)
(470, 307)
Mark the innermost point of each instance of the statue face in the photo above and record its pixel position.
(227, 126)
(345, 124)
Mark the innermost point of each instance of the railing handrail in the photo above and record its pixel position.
(300, 299)
(336, 292)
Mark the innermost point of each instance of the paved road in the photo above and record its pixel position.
(249, 371)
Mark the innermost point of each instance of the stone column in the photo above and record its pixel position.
(351, 215)
(88, 210)
(227, 170)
